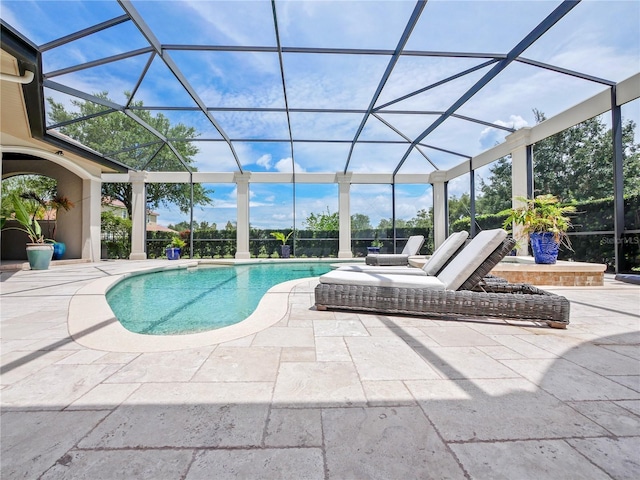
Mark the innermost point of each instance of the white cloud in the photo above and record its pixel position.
(342, 24)
(491, 136)
(253, 204)
(224, 204)
(284, 165)
(460, 185)
(265, 161)
(237, 22)
(515, 121)
(215, 157)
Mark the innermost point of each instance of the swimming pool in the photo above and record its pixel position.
(192, 300)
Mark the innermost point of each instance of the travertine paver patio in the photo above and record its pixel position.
(322, 394)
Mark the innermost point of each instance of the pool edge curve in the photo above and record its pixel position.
(101, 330)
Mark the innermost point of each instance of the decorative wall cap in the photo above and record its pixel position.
(137, 176)
(519, 138)
(344, 177)
(241, 177)
(439, 176)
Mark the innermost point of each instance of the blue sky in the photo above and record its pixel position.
(600, 38)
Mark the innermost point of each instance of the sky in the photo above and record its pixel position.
(597, 37)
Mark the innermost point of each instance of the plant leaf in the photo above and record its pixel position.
(22, 216)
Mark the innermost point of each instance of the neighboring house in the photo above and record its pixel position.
(118, 208)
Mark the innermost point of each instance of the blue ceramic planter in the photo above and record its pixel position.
(545, 248)
(173, 253)
(285, 251)
(373, 250)
(59, 249)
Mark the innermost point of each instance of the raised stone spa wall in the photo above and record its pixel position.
(567, 274)
(523, 269)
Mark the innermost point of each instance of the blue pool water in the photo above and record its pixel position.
(185, 301)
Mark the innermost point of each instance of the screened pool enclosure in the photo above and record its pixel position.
(282, 109)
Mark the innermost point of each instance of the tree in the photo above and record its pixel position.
(496, 194)
(42, 185)
(115, 224)
(575, 164)
(387, 223)
(423, 219)
(180, 226)
(206, 226)
(321, 222)
(116, 234)
(360, 221)
(115, 134)
(459, 207)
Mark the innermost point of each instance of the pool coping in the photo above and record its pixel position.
(92, 323)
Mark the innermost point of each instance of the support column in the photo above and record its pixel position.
(91, 209)
(344, 215)
(138, 215)
(440, 207)
(242, 226)
(521, 178)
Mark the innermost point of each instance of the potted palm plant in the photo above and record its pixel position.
(285, 249)
(174, 249)
(546, 222)
(49, 210)
(39, 251)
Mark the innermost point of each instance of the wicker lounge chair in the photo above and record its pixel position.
(452, 245)
(412, 247)
(457, 291)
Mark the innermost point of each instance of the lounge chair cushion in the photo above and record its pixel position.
(412, 247)
(444, 252)
(342, 277)
(396, 270)
(387, 259)
(471, 257)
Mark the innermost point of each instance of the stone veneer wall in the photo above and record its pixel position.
(525, 270)
(566, 279)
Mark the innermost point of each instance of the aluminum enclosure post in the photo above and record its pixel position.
(618, 179)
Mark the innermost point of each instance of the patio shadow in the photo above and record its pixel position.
(576, 418)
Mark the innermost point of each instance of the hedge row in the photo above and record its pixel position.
(222, 243)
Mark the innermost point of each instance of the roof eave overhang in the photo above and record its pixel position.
(29, 58)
